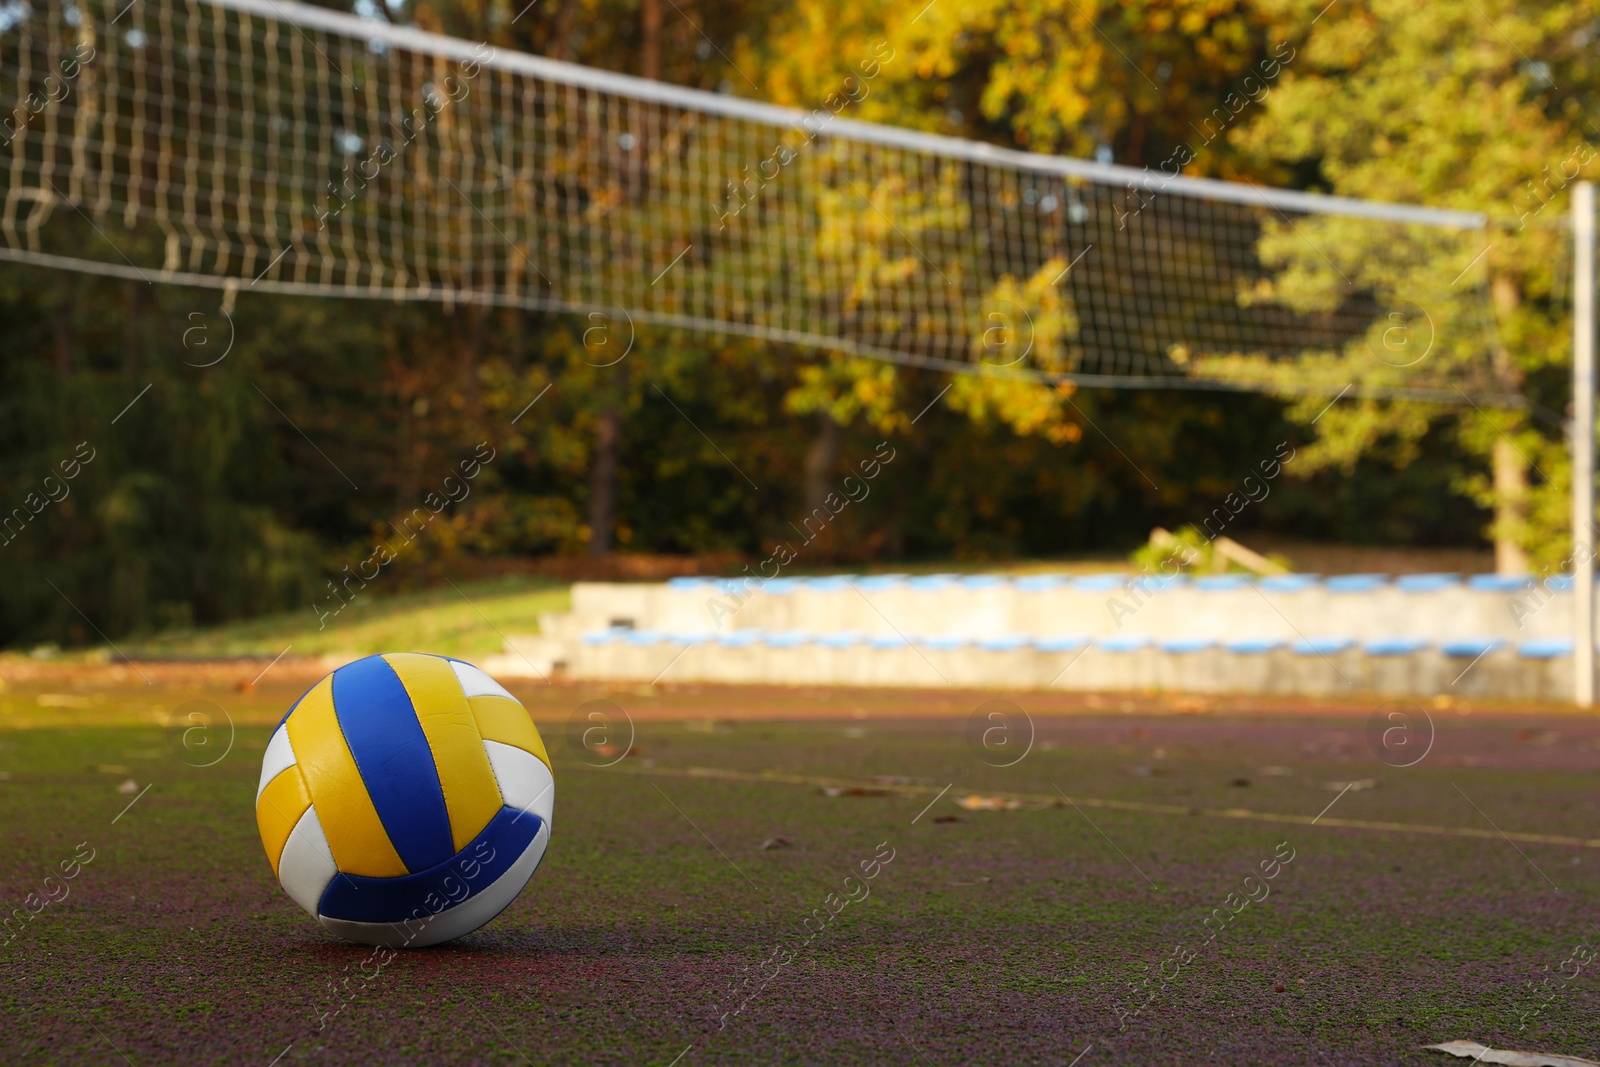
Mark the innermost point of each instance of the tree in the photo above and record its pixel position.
(1441, 104)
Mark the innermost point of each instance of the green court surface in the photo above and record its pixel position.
(1052, 911)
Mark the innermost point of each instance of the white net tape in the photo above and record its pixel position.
(269, 146)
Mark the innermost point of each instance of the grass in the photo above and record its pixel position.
(467, 619)
(992, 937)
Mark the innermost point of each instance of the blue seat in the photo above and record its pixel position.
(1060, 643)
(643, 637)
(1040, 583)
(603, 637)
(1287, 583)
(1471, 647)
(1426, 583)
(1182, 645)
(1356, 583)
(1005, 642)
(1221, 583)
(984, 581)
(1253, 646)
(786, 638)
(740, 638)
(1558, 583)
(781, 586)
(1100, 583)
(887, 641)
(839, 639)
(931, 583)
(879, 581)
(1545, 648)
(1395, 646)
(944, 642)
(1129, 643)
(833, 583)
(690, 584)
(1322, 646)
(1499, 583)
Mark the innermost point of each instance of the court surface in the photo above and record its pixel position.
(832, 877)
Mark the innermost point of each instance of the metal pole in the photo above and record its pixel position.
(1583, 399)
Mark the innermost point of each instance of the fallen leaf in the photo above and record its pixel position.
(1240, 783)
(1355, 787)
(855, 791)
(130, 786)
(777, 842)
(974, 802)
(1484, 1054)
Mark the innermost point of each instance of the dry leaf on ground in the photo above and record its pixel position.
(981, 803)
(1484, 1054)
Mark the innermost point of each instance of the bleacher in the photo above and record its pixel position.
(1357, 633)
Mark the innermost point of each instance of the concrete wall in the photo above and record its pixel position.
(1501, 672)
(1094, 606)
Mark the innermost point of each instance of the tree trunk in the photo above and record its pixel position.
(650, 39)
(608, 430)
(63, 341)
(1510, 467)
(821, 458)
(561, 30)
(603, 480)
(1510, 508)
(132, 340)
(603, 467)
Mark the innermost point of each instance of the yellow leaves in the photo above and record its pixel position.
(847, 388)
(1027, 408)
(1027, 324)
(1063, 433)
(1262, 291)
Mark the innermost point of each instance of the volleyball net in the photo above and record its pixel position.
(266, 146)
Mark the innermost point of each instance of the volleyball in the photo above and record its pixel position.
(405, 800)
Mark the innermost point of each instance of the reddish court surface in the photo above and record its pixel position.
(113, 691)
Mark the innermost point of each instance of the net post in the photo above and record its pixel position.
(1583, 405)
